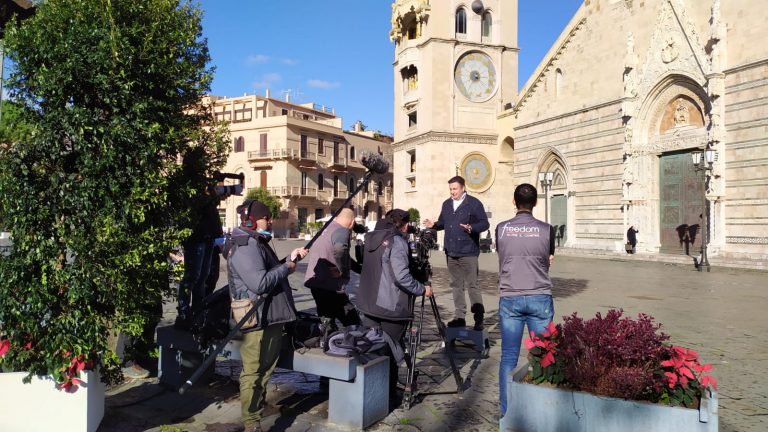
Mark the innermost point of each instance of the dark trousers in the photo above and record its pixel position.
(395, 330)
(197, 265)
(335, 305)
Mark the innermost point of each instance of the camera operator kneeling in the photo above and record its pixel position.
(386, 284)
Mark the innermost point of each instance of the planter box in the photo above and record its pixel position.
(541, 408)
(40, 406)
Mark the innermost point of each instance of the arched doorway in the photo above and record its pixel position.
(554, 202)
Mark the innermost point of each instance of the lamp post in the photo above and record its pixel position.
(545, 179)
(706, 166)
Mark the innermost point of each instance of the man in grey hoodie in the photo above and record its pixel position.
(526, 248)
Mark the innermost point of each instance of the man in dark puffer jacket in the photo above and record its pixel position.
(386, 284)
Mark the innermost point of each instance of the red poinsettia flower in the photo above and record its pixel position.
(548, 359)
(5, 345)
(708, 381)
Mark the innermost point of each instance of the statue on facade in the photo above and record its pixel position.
(682, 114)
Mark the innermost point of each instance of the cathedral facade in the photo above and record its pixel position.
(612, 118)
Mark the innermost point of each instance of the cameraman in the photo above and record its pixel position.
(386, 284)
(199, 249)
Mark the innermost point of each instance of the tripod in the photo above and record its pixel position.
(413, 342)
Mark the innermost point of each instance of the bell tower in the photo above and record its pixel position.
(455, 68)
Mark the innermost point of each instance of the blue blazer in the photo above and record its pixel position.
(458, 242)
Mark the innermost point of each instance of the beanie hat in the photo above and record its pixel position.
(251, 211)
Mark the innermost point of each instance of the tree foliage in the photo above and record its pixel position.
(414, 216)
(95, 196)
(262, 195)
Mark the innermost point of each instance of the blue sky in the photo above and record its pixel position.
(336, 52)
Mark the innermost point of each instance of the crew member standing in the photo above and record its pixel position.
(463, 219)
(256, 273)
(386, 284)
(526, 248)
(327, 274)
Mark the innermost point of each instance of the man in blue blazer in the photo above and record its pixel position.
(463, 219)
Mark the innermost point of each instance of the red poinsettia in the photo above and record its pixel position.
(546, 343)
(684, 362)
(5, 345)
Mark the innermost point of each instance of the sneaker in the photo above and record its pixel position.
(457, 322)
(478, 326)
(135, 372)
(696, 263)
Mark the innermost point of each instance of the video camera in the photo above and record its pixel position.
(420, 243)
(224, 190)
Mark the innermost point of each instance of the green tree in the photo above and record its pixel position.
(95, 196)
(413, 215)
(262, 195)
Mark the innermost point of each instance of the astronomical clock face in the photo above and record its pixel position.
(477, 171)
(475, 76)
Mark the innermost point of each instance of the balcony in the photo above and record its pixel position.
(273, 154)
(292, 191)
(338, 162)
(341, 194)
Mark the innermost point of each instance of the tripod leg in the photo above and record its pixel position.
(441, 331)
(414, 339)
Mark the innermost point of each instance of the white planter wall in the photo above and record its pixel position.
(39, 406)
(541, 409)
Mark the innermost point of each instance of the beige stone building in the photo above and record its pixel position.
(614, 111)
(301, 154)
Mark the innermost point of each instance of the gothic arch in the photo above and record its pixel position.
(507, 150)
(552, 160)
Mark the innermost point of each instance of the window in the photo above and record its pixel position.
(304, 180)
(319, 214)
(487, 25)
(380, 190)
(412, 165)
(284, 112)
(351, 183)
(239, 144)
(461, 21)
(263, 179)
(410, 78)
(304, 149)
(412, 120)
(352, 154)
(320, 146)
(320, 182)
(263, 144)
(335, 186)
(558, 82)
(335, 152)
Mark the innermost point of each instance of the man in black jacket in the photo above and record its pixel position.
(463, 219)
(256, 273)
(386, 284)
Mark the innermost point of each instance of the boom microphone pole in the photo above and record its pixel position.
(376, 164)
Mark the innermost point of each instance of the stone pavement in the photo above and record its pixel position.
(721, 314)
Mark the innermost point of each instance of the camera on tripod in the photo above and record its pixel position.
(420, 243)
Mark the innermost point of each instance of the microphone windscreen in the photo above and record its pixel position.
(374, 162)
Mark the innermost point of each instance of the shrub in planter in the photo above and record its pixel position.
(110, 95)
(617, 356)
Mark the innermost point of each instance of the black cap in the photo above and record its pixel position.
(398, 216)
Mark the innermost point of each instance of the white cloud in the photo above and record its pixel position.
(321, 84)
(266, 80)
(289, 62)
(256, 59)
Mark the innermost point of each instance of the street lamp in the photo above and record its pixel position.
(545, 179)
(704, 165)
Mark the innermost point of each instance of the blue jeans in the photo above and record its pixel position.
(197, 265)
(536, 311)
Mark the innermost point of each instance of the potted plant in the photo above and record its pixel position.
(609, 373)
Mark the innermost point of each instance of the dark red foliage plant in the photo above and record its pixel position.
(595, 352)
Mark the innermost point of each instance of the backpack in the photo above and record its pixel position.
(363, 343)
